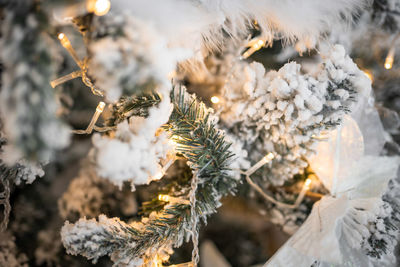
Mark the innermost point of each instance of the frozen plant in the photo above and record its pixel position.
(135, 152)
(285, 111)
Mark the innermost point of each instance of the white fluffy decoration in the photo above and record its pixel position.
(187, 22)
(336, 155)
(357, 177)
(340, 222)
(136, 151)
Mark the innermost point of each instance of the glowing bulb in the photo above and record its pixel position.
(164, 198)
(389, 59)
(215, 99)
(388, 63)
(100, 106)
(98, 7)
(307, 183)
(269, 156)
(255, 44)
(64, 40)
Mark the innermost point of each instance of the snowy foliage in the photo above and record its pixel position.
(27, 102)
(27, 172)
(127, 56)
(94, 239)
(108, 236)
(134, 154)
(282, 111)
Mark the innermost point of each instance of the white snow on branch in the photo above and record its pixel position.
(134, 154)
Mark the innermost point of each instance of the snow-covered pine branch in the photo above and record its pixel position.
(284, 111)
(206, 151)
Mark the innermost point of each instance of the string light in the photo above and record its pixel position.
(389, 58)
(98, 7)
(96, 115)
(254, 46)
(167, 198)
(215, 99)
(66, 78)
(270, 156)
(80, 73)
(164, 169)
(303, 192)
(67, 45)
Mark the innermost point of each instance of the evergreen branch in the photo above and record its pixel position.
(207, 153)
(132, 106)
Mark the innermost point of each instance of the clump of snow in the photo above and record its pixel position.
(131, 58)
(135, 152)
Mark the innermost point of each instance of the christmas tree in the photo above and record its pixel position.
(163, 127)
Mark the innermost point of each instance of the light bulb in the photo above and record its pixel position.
(215, 99)
(98, 7)
(307, 183)
(164, 198)
(100, 106)
(389, 59)
(269, 156)
(388, 63)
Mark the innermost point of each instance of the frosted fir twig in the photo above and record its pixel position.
(284, 111)
(207, 154)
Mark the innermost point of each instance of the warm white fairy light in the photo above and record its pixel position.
(262, 162)
(270, 156)
(98, 7)
(389, 59)
(303, 192)
(67, 45)
(215, 99)
(163, 171)
(254, 46)
(96, 115)
(79, 73)
(167, 198)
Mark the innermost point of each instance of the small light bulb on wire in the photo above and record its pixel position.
(389, 58)
(98, 7)
(307, 183)
(215, 99)
(96, 115)
(79, 73)
(254, 45)
(167, 198)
